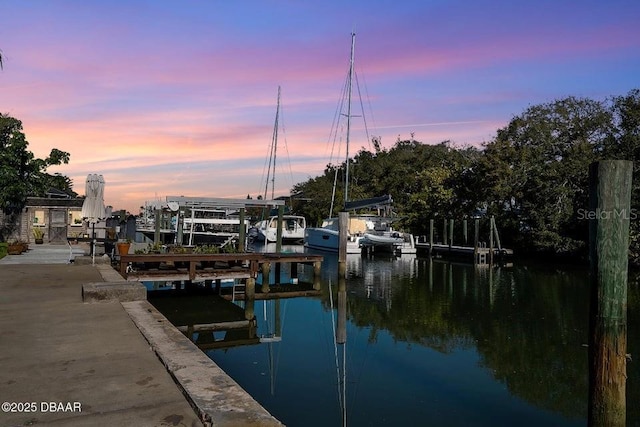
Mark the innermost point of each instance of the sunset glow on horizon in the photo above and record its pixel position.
(179, 98)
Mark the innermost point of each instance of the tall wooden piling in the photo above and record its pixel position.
(156, 230)
(450, 233)
(343, 221)
(179, 226)
(243, 231)
(476, 239)
(444, 231)
(279, 229)
(609, 214)
(465, 236)
(491, 241)
(430, 237)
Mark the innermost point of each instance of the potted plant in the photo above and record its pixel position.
(15, 248)
(38, 235)
(123, 246)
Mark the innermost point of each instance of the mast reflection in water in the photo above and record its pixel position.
(430, 343)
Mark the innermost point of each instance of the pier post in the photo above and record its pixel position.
(156, 231)
(343, 218)
(609, 214)
(491, 240)
(317, 266)
(179, 225)
(464, 232)
(266, 273)
(243, 231)
(249, 298)
(450, 234)
(279, 229)
(430, 237)
(476, 231)
(444, 231)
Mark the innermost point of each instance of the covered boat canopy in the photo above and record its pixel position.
(374, 202)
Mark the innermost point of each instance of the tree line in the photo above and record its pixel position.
(532, 176)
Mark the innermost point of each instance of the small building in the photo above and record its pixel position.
(58, 215)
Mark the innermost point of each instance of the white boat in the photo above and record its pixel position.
(327, 236)
(293, 227)
(389, 241)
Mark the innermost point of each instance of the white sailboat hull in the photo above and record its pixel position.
(326, 239)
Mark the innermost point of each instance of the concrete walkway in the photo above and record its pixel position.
(67, 363)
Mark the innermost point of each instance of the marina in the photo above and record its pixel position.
(467, 256)
(432, 341)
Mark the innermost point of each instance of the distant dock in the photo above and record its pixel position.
(478, 251)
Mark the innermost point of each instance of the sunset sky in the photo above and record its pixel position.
(179, 97)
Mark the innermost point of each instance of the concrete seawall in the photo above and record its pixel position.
(57, 348)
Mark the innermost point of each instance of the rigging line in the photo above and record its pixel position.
(273, 151)
(335, 344)
(335, 124)
(371, 115)
(344, 384)
(286, 147)
(364, 118)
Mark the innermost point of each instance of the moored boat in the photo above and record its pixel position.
(293, 229)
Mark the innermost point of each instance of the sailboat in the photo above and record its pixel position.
(293, 226)
(364, 231)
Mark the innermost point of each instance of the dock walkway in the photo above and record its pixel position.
(68, 363)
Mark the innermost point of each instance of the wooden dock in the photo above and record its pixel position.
(481, 255)
(478, 251)
(204, 267)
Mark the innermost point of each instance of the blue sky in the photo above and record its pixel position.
(179, 98)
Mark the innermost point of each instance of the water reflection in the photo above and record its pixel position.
(423, 341)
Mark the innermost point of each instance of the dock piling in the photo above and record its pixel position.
(343, 218)
(266, 273)
(279, 229)
(609, 215)
(430, 237)
(243, 232)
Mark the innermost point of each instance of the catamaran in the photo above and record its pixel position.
(365, 232)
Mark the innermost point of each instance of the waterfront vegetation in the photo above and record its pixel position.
(533, 176)
(22, 174)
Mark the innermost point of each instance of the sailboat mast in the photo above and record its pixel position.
(271, 171)
(349, 89)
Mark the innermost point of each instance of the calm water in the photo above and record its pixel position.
(427, 343)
